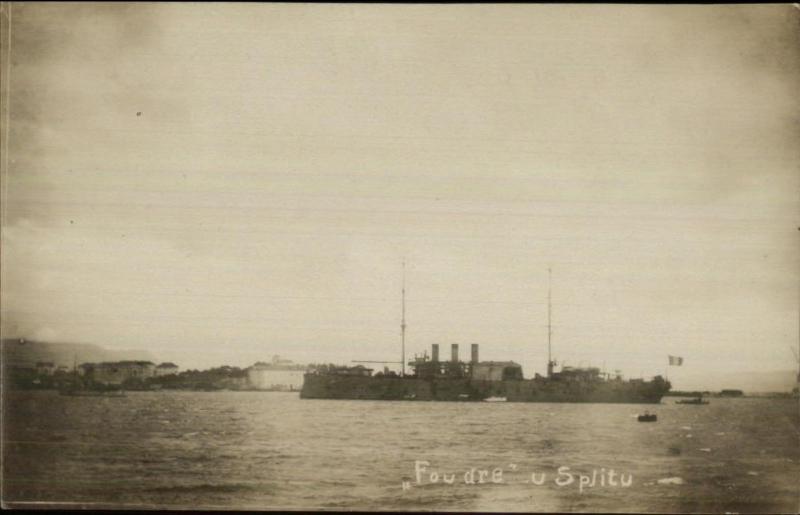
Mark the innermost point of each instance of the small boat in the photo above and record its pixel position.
(495, 399)
(82, 392)
(647, 417)
(698, 400)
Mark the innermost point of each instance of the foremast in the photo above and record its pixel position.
(550, 362)
(403, 324)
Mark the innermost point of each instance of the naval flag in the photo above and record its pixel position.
(675, 360)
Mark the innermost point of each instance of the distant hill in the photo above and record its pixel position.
(750, 381)
(26, 353)
(767, 381)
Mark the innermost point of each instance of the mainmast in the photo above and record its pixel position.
(403, 325)
(549, 323)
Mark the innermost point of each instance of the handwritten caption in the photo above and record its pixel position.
(424, 474)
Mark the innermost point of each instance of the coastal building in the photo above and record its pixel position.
(45, 368)
(118, 372)
(279, 375)
(165, 369)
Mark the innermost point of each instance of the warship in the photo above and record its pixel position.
(432, 379)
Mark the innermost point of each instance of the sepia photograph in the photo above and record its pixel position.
(400, 257)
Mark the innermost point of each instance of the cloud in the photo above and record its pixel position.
(287, 157)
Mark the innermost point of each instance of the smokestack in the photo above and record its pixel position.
(435, 352)
(474, 352)
(454, 353)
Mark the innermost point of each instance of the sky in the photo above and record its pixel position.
(219, 183)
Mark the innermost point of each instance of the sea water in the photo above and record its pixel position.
(253, 450)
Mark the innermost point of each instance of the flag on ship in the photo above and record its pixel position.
(675, 360)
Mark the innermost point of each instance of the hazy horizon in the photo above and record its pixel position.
(776, 380)
(220, 183)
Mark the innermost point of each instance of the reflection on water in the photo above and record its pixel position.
(273, 450)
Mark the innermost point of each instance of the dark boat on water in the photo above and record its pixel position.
(454, 380)
(85, 392)
(79, 388)
(647, 417)
(695, 401)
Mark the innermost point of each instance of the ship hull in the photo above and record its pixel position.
(320, 386)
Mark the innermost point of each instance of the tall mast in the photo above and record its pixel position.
(403, 325)
(549, 322)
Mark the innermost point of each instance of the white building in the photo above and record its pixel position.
(280, 375)
(165, 369)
